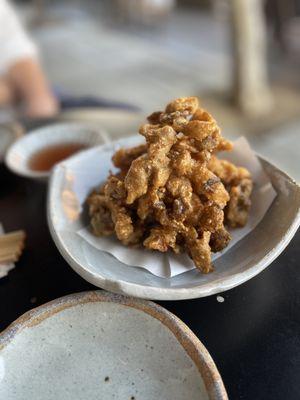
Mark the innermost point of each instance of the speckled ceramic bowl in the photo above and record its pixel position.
(96, 345)
(19, 154)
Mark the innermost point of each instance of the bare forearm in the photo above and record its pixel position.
(28, 81)
(27, 78)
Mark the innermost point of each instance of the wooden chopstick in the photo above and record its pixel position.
(12, 237)
(14, 251)
(8, 260)
(11, 246)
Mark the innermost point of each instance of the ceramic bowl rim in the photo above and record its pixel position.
(155, 293)
(194, 348)
(38, 134)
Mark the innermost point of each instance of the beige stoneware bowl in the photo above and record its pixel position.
(96, 345)
(240, 263)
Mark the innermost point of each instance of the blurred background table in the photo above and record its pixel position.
(127, 51)
(253, 336)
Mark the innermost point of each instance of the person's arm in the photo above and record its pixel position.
(22, 76)
(29, 84)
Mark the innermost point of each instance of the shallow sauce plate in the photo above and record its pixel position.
(243, 261)
(96, 345)
(18, 157)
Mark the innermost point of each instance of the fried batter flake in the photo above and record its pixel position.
(173, 193)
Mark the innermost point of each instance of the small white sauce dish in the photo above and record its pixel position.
(18, 156)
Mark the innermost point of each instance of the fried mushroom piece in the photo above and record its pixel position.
(227, 171)
(161, 239)
(204, 128)
(182, 162)
(115, 195)
(224, 145)
(193, 216)
(237, 210)
(101, 221)
(210, 186)
(211, 218)
(199, 130)
(150, 170)
(219, 239)
(177, 119)
(202, 115)
(137, 179)
(150, 202)
(239, 185)
(181, 190)
(200, 252)
(154, 118)
(137, 235)
(189, 104)
(123, 157)
(179, 123)
(159, 140)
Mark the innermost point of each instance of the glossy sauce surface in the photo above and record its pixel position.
(46, 158)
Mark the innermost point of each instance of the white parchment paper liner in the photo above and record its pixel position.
(167, 265)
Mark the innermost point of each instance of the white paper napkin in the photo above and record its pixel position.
(167, 265)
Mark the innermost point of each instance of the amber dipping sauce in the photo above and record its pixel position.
(45, 159)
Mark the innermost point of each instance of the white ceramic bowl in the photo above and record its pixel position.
(18, 156)
(96, 345)
(240, 263)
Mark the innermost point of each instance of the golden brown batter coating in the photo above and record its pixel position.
(172, 192)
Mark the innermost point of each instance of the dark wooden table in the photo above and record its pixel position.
(253, 336)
